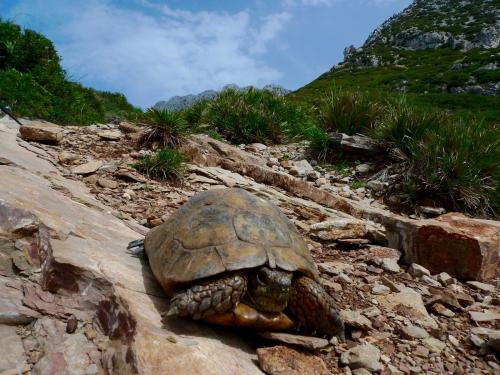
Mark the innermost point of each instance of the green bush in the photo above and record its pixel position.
(457, 161)
(164, 164)
(254, 116)
(164, 128)
(33, 83)
(348, 112)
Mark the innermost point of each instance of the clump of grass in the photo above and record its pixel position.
(164, 129)
(164, 164)
(455, 160)
(348, 112)
(254, 116)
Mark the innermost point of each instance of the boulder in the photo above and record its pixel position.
(44, 132)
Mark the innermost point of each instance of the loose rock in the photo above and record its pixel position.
(280, 360)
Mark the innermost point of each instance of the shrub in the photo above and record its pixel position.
(348, 112)
(164, 164)
(455, 160)
(254, 116)
(164, 128)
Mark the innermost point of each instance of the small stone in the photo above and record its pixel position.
(67, 157)
(416, 270)
(109, 135)
(390, 284)
(155, 222)
(361, 371)
(364, 356)
(422, 351)
(434, 345)
(390, 265)
(301, 168)
(107, 183)
(430, 281)
(445, 279)
(481, 286)
(355, 319)
(413, 332)
(381, 290)
(440, 309)
(279, 360)
(71, 324)
(487, 316)
(453, 341)
(432, 211)
(375, 185)
(90, 332)
(476, 340)
(364, 168)
(87, 168)
(308, 342)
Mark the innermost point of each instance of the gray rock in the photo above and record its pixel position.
(308, 342)
(87, 168)
(432, 211)
(481, 286)
(445, 279)
(416, 270)
(487, 316)
(434, 345)
(375, 185)
(364, 168)
(414, 332)
(365, 356)
(109, 135)
(356, 320)
(301, 168)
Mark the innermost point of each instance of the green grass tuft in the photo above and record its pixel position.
(164, 128)
(164, 164)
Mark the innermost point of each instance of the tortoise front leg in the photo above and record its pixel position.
(216, 296)
(314, 308)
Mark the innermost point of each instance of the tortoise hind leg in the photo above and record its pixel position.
(217, 296)
(314, 308)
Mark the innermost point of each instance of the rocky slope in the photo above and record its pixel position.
(433, 47)
(74, 301)
(176, 103)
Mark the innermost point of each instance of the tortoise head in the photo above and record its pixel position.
(269, 289)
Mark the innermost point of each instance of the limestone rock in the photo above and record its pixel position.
(87, 168)
(44, 132)
(280, 360)
(365, 356)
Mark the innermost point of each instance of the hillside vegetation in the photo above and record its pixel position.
(33, 83)
(440, 53)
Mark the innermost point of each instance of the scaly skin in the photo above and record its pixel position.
(219, 295)
(314, 308)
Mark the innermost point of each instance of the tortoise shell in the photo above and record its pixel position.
(224, 230)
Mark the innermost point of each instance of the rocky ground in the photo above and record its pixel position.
(401, 319)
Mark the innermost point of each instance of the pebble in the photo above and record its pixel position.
(416, 270)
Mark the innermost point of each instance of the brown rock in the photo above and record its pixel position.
(71, 324)
(463, 247)
(107, 183)
(66, 157)
(128, 128)
(109, 135)
(340, 228)
(44, 132)
(87, 168)
(281, 360)
(307, 342)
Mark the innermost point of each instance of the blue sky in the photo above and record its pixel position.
(152, 50)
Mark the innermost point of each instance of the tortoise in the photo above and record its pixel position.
(231, 258)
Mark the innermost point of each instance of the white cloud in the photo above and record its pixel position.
(156, 52)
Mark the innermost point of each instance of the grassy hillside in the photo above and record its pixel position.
(440, 53)
(33, 83)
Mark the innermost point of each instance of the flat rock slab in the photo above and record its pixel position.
(45, 132)
(282, 360)
(308, 342)
(109, 135)
(88, 247)
(87, 168)
(12, 310)
(487, 316)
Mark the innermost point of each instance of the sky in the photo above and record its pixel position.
(151, 50)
